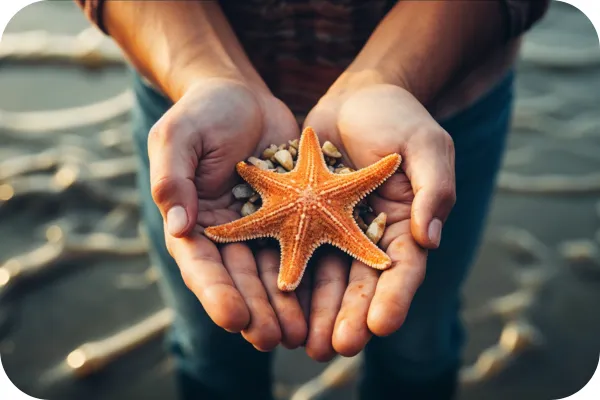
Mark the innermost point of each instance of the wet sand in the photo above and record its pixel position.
(42, 321)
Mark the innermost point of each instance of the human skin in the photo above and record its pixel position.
(224, 113)
(377, 106)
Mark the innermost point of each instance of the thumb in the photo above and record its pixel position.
(429, 165)
(173, 163)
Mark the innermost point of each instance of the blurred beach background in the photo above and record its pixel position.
(80, 313)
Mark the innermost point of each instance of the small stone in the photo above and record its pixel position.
(269, 152)
(270, 164)
(330, 150)
(293, 152)
(282, 147)
(248, 208)
(262, 164)
(345, 170)
(242, 191)
(294, 143)
(280, 170)
(330, 168)
(331, 161)
(255, 197)
(375, 230)
(284, 158)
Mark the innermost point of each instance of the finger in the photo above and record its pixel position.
(173, 162)
(263, 330)
(329, 283)
(205, 275)
(303, 293)
(429, 164)
(323, 120)
(398, 284)
(351, 333)
(287, 308)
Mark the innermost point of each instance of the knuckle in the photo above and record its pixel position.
(447, 193)
(323, 282)
(320, 313)
(448, 142)
(161, 189)
(162, 131)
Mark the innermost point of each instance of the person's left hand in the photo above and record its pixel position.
(368, 119)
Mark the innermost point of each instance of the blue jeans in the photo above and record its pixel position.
(418, 361)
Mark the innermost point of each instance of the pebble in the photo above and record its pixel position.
(330, 150)
(269, 152)
(293, 152)
(262, 164)
(284, 158)
(361, 222)
(248, 208)
(375, 230)
(242, 191)
(255, 197)
(345, 170)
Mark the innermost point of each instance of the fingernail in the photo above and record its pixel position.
(176, 220)
(435, 231)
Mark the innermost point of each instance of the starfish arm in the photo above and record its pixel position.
(299, 238)
(356, 185)
(266, 222)
(344, 233)
(268, 184)
(293, 265)
(311, 163)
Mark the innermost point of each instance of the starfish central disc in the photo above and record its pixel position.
(307, 207)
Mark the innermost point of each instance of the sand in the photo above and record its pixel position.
(556, 131)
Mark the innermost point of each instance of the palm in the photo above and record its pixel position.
(233, 131)
(218, 124)
(366, 125)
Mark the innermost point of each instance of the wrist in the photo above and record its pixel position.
(193, 78)
(358, 77)
(181, 81)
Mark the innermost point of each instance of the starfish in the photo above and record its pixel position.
(307, 207)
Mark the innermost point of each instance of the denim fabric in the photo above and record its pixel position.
(420, 360)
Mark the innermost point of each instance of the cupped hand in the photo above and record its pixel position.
(193, 150)
(367, 121)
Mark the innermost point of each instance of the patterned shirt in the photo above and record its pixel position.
(283, 37)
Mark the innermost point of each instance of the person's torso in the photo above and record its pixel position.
(300, 47)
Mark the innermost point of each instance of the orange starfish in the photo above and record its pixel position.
(307, 207)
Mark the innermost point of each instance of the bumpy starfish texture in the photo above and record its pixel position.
(307, 207)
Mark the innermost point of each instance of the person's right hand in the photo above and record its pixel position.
(193, 150)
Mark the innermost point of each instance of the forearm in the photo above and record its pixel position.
(175, 43)
(425, 45)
